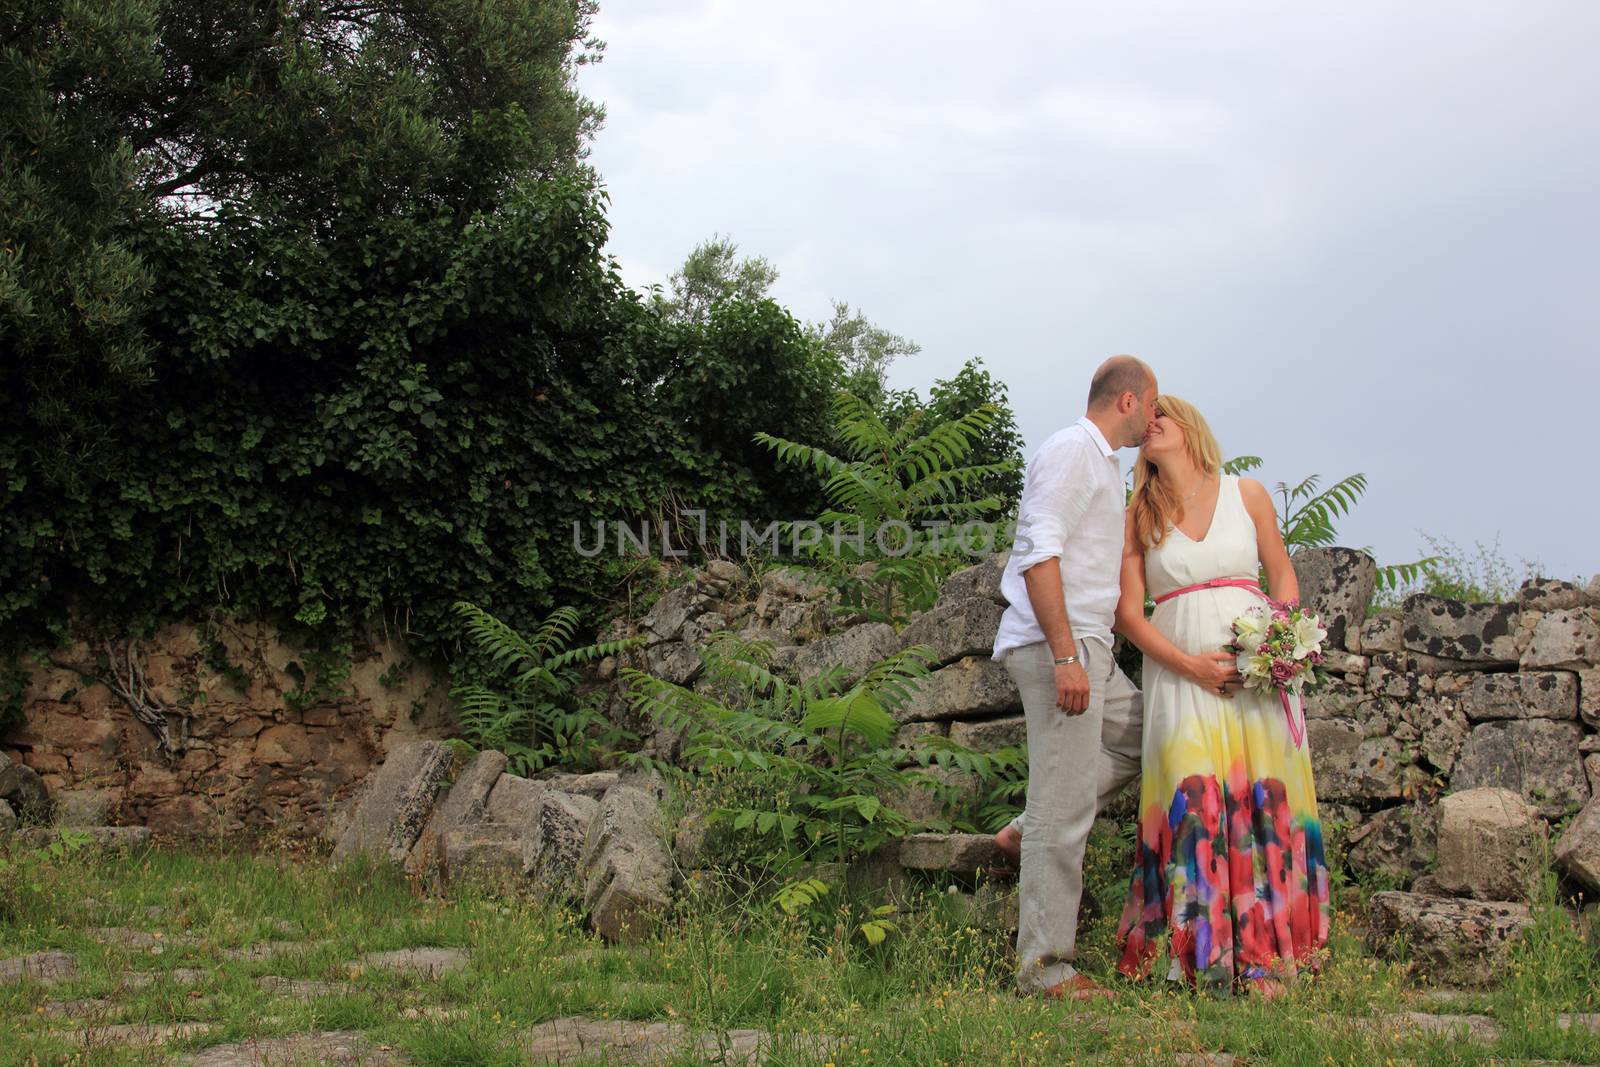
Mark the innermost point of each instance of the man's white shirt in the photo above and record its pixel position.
(1071, 510)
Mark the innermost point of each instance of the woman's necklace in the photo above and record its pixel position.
(1203, 483)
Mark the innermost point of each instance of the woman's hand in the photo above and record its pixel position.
(1215, 672)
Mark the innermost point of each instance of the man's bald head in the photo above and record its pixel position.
(1116, 376)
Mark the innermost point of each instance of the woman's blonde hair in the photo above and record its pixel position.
(1156, 507)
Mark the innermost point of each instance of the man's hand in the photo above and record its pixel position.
(1215, 672)
(1072, 688)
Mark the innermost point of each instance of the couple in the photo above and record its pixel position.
(1229, 879)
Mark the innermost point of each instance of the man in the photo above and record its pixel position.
(1083, 714)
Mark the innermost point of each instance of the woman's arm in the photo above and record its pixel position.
(1281, 582)
(1209, 670)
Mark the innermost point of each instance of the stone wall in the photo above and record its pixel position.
(247, 751)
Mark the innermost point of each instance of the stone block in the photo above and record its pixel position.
(1347, 766)
(625, 867)
(1526, 695)
(921, 800)
(673, 661)
(81, 807)
(1447, 941)
(1441, 729)
(955, 628)
(554, 838)
(23, 789)
(1537, 758)
(990, 735)
(980, 580)
(461, 808)
(1577, 851)
(1451, 629)
(594, 784)
(910, 735)
(1336, 583)
(513, 799)
(1335, 700)
(672, 609)
(966, 854)
(969, 688)
(853, 652)
(1589, 696)
(490, 851)
(395, 803)
(8, 818)
(1382, 633)
(1566, 639)
(1396, 842)
(1491, 845)
(1551, 594)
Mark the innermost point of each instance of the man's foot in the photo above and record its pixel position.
(1078, 987)
(1009, 842)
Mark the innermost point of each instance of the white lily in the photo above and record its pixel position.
(1308, 636)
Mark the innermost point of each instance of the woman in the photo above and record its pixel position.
(1229, 878)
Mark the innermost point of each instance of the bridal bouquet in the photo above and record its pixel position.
(1279, 645)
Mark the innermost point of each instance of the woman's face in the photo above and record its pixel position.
(1164, 438)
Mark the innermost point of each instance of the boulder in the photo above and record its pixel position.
(463, 806)
(491, 851)
(1589, 696)
(553, 841)
(513, 799)
(966, 854)
(8, 818)
(1348, 766)
(1568, 639)
(673, 661)
(626, 871)
(991, 735)
(395, 803)
(1577, 852)
(1397, 843)
(1527, 695)
(672, 609)
(23, 789)
(1491, 845)
(980, 580)
(1336, 583)
(1537, 758)
(1451, 629)
(968, 688)
(854, 652)
(1382, 633)
(1551, 594)
(955, 628)
(724, 570)
(1447, 941)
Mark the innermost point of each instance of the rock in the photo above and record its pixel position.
(594, 785)
(1551, 594)
(576, 1039)
(724, 570)
(854, 651)
(1577, 852)
(966, 854)
(492, 851)
(674, 608)
(909, 735)
(1480, 633)
(513, 799)
(955, 628)
(673, 661)
(1454, 942)
(338, 1048)
(921, 800)
(1345, 663)
(1335, 700)
(990, 735)
(553, 844)
(626, 871)
(1396, 842)
(38, 967)
(980, 580)
(462, 806)
(1336, 583)
(23, 789)
(1477, 1029)
(1348, 766)
(1568, 639)
(1528, 695)
(968, 688)
(426, 961)
(1589, 697)
(102, 838)
(395, 803)
(1382, 633)
(81, 807)
(1491, 845)
(1537, 758)
(1441, 728)
(8, 818)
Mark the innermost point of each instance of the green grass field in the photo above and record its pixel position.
(936, 992)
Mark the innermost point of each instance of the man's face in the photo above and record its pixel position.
(1143, 415)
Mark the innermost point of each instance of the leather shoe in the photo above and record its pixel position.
(1078, 987)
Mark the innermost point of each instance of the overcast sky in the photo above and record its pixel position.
(1363, 238)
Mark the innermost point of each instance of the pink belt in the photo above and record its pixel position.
(1297, 730)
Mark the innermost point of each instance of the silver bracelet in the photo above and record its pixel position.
(1062, 661)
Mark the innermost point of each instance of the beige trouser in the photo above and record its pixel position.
(1076, 764)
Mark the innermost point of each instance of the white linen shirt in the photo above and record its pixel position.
(1071, 510)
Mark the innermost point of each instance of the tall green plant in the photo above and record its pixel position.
(526, 707)
(893, 497)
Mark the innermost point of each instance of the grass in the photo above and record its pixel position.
(937, 992)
